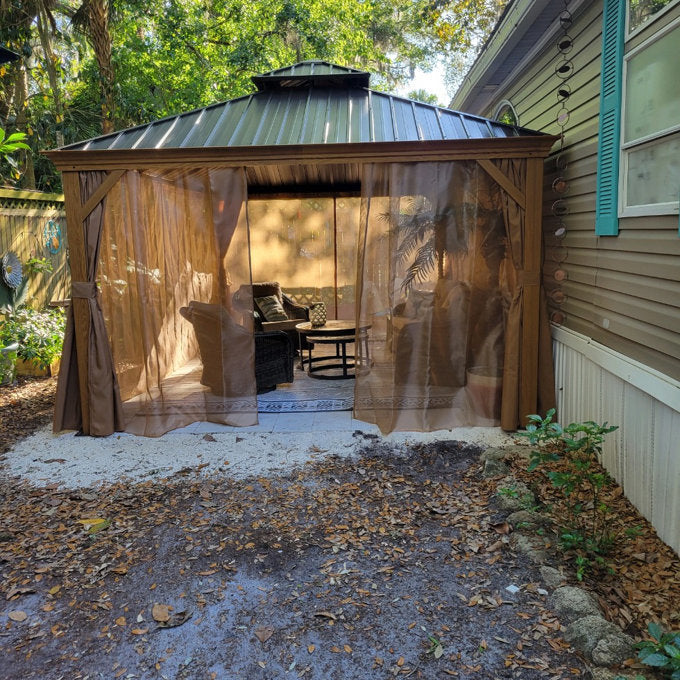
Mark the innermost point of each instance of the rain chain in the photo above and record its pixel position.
(564, 69)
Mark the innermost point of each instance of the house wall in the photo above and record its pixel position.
(623, 291)
(617, 348)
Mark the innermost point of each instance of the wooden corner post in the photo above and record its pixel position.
(528, 392)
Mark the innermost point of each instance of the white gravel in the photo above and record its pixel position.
(71, 461)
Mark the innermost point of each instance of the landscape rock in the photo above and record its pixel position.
(553, 578)
(574, 603)
(598, 673)
(513, 495)
(530, 547)
(494, 453)
(598, 640)
(494, 468)
(612, 650)
(524, 519)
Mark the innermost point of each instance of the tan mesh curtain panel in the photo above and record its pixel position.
(175, 248)
(104, 414)
(432, 255)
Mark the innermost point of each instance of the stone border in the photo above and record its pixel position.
(601, 642)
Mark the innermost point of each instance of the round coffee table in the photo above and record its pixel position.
(336, 332)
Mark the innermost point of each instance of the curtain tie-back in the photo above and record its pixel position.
(83, 289)
(528, 278)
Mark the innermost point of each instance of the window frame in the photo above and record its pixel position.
(645, 24)
(625, 148)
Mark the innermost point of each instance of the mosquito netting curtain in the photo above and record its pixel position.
(173, 243)
(437, 288)
(429, 260)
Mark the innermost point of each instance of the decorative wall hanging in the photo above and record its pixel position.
(52, 237)
(11, 270)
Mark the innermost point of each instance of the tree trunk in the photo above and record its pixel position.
(50, 66)
(100, 36)
(20, 97)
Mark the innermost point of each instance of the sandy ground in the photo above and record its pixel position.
(279, 443)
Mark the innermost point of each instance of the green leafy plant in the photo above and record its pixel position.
(39, 334)
(436, 648)
(662, 651)
(37, 265)
(572, 455)
(11, 144)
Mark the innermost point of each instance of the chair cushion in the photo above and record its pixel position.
(271, 308)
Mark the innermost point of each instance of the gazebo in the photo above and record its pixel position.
(426, 222)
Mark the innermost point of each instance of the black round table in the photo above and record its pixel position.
(336, 332)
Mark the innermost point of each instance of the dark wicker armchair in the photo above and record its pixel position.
(223, 344)
(296, 313)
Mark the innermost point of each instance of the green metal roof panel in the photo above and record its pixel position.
(304, 113)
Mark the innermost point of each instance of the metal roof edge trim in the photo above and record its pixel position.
(537, 146)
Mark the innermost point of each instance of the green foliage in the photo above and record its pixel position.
(206, 52)
(8, 146)
(40, 334)
(424, 96)
(37, 265)
(662, 651)
(571, 456)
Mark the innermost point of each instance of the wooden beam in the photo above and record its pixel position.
(528, 396)
(505, 182)
(78, 264)
(100, 193)
(305, 154)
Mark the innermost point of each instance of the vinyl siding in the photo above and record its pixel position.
(623, 291)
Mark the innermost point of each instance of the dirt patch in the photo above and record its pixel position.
(379, 567)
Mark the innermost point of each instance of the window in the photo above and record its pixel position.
(650, 178)
(505, 113)
(640, 11)
(639, 128)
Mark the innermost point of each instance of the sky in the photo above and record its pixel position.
(431, 82)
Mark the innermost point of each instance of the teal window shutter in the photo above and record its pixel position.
(607, 203)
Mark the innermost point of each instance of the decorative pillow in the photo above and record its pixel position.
(271, 308)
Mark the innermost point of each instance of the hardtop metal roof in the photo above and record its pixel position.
(312, 102)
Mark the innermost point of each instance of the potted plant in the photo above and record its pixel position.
(39, 335)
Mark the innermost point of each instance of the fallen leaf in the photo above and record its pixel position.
(18, 590)
(54, 590)
(501, 528)
(311, 648)
(328, 615)
(139, 631)
(160, 612)
(176, 619)
(18, 615)
(347, 648)
(120, 569)
(263, 633)
(120, 621)
(209, 438)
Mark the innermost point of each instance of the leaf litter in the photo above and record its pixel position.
(388, 566)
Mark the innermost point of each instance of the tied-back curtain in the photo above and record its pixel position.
(515, 277)
(431, 252)
(175, 249)
(104, 403)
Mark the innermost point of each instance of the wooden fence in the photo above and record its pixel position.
(33, 225)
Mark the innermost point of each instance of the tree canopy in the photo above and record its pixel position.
(92, 66)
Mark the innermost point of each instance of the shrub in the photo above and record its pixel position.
(40, 334)
(662, 651)
(572, 456)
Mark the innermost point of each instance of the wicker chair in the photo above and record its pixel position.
(296, 313)
(223, 371)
